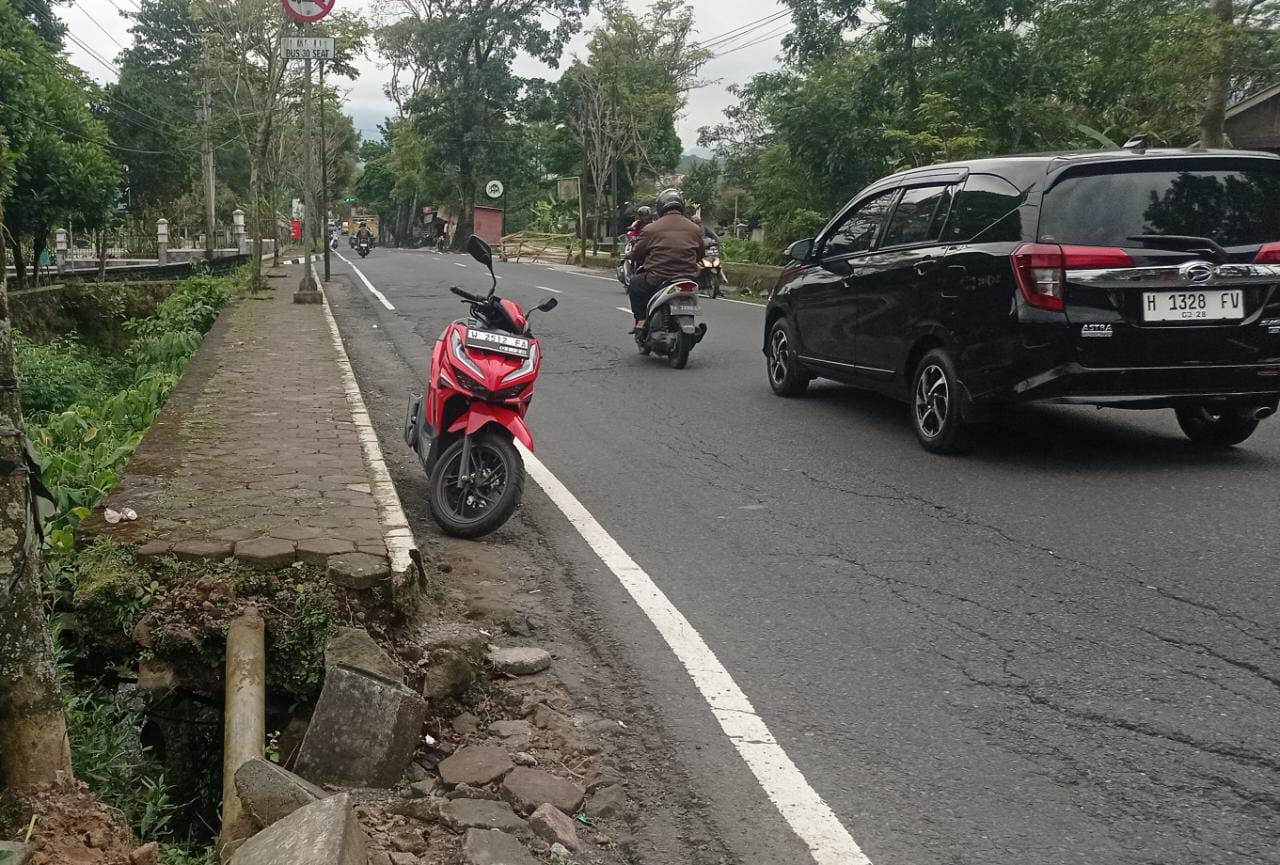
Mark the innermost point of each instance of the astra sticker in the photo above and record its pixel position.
(1095, 330)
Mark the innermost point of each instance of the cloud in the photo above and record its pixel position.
(99, 25)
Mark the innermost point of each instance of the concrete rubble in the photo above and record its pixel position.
(322, 833)
(363, 733)
(353, 647)
(271, 793)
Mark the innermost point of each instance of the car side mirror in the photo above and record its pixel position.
(480, 251)
(801, 250)
(547, 305)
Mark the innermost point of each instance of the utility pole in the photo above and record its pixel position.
(308, 190)
(582, 224)
(324, 179)
(206, 159)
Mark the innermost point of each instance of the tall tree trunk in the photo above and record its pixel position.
(19, 266)
(102, 255)
(1212, 133)
(255, 219)
(33, 733)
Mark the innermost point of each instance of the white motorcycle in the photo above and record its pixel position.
(672, 328)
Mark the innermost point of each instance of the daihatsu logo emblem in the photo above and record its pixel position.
(1198, 272)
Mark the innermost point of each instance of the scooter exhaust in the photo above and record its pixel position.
(1264, 411)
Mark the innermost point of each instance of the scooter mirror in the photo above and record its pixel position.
(480, 251)
(547, 305)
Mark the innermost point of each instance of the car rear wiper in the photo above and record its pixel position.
(1183, 243)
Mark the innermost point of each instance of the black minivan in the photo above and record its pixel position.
(1131, 279)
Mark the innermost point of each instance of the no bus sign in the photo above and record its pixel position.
(308, 11)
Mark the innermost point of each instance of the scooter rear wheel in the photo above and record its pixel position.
(491, 490)
(679, 357)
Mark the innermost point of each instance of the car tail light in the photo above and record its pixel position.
(1040, 269)
(1268, 254)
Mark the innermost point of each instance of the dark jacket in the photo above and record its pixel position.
(669, 248)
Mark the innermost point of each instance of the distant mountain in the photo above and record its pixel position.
(688, 161)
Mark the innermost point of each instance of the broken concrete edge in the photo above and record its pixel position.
(402, 550)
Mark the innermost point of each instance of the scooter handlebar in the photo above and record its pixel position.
(467, 296)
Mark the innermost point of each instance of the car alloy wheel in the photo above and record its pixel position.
(932, 401)
(779, 363)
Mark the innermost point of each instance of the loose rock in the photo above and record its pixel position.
(515, 733)
(607, 803)
(358, 570)
(270, 793)
(322, 833)
(492, 847)
(466, 791)
(526, 789)
(363, 733)
(19, 854)
(147, 854)
(524, 758)
(353, 647)
(464, 814)
(424, 788)
(554, 826)
(401, 858)
(465, 724)
(476, 766)
(518, 661)
(449, 673)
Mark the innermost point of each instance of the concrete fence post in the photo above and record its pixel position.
(237, 230)
(60, 250)
(162, 240)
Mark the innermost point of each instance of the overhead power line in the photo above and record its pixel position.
(782, 31)
(104, 30)
(740, 31)
(107, 144)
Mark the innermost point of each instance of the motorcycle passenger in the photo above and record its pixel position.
(644, 216)
(668, 248)
(365, 235)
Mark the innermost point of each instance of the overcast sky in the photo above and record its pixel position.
(99, 25)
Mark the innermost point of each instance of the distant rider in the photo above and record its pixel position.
(710, 238)
(669, 248)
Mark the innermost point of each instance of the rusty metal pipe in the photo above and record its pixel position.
(244, 728)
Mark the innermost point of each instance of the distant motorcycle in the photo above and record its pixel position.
(710, 274)
(362, 246)
(672, 327)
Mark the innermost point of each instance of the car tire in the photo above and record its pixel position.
(935, 405)
(786, 376)
(1212, 428)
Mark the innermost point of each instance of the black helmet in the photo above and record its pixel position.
(669, 200)
(644, 212)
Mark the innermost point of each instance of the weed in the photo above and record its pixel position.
(175, 854)
(309, 615)
(111, 589)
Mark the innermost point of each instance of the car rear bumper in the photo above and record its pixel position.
(1146, 387)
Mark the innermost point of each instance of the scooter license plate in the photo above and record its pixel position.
(683, 309)
(503, 343)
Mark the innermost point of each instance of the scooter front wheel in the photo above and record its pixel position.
(476, 499)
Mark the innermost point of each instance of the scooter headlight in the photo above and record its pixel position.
(460, 355)
(526, 367)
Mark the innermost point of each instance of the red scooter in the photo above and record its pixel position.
(464, 429)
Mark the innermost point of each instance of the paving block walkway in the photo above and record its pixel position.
(257, 455)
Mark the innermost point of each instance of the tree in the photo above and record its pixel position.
(33, 737)
(61, 167)
(700, 187)
(1232, 20)
(459, 55)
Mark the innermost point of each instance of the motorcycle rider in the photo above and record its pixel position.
(710, 238)
(364, 234)
(668, 248)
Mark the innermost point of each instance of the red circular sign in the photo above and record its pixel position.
(308, 11)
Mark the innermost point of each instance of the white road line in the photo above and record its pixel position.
(743, 302)
(593, 276)
(367, 284)
(458, 264)
(552, 290)
(622, 309)
(804, 810)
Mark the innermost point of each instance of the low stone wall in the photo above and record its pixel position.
(43, 313)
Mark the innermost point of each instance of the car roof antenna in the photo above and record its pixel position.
(1136, 144)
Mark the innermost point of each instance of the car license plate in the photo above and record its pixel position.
(499, 342)
(684, 309)
(1210, 305)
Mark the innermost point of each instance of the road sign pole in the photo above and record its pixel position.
(582, 224)
(324, 179)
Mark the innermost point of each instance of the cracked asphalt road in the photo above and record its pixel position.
(1061, 648)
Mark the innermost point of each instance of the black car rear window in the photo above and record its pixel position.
(1234, 204)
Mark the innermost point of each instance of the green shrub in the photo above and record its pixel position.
(110, 589)
(58, 374)
(309, 615)
(746, 251)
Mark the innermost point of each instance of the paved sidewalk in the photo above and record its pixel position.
(258, 453)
